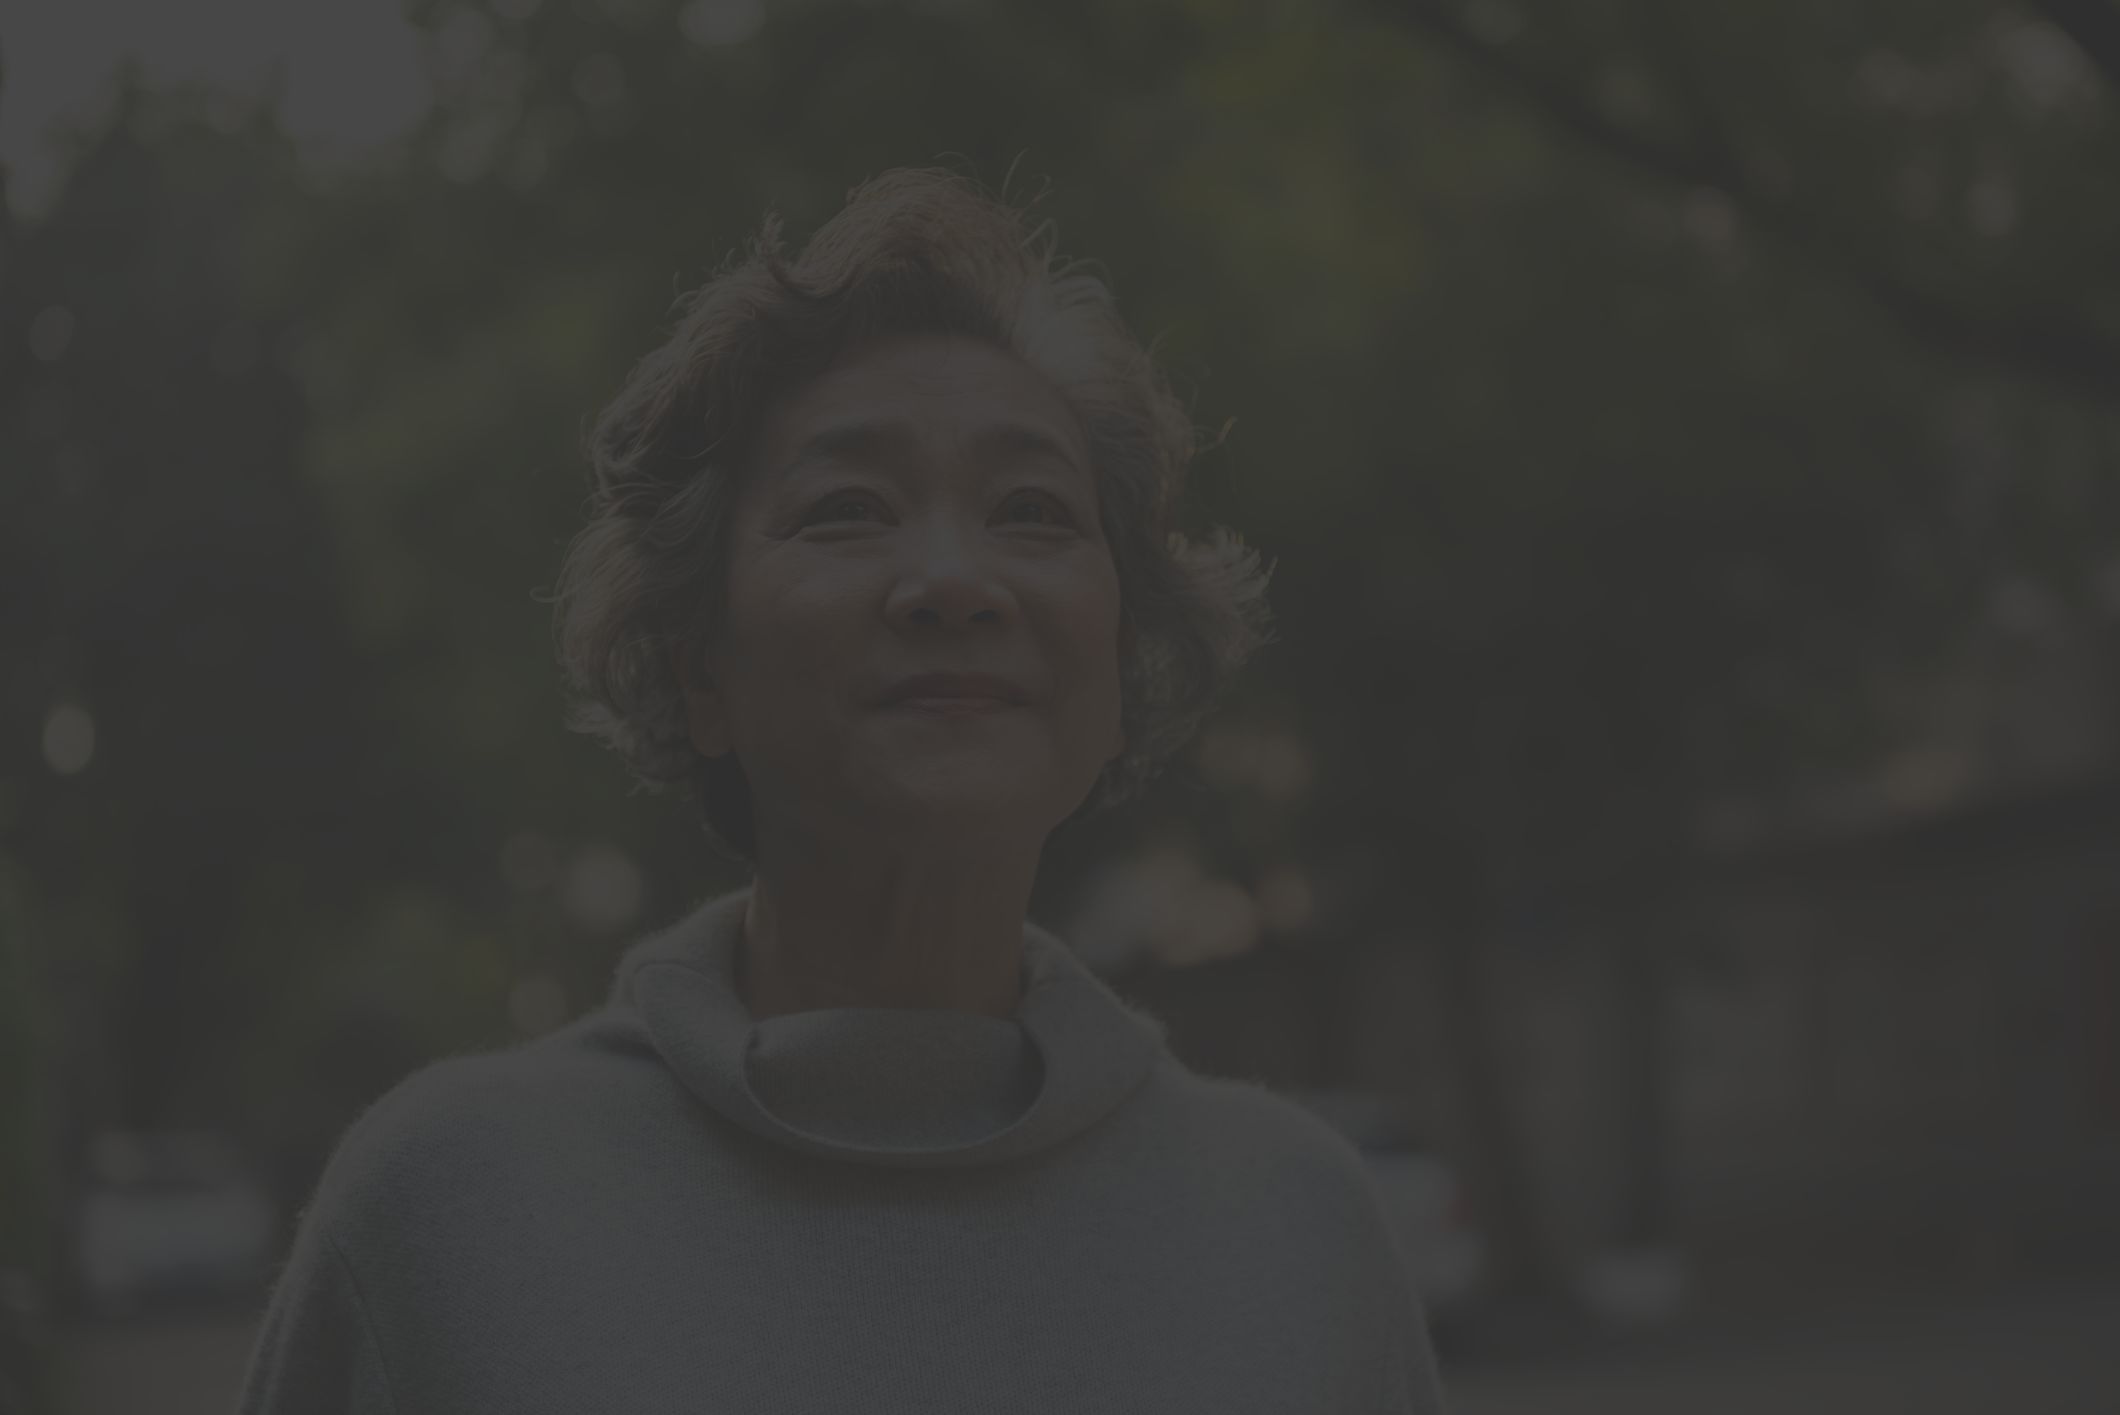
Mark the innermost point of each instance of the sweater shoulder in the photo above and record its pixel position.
(475, 1117)
(1245, 1127)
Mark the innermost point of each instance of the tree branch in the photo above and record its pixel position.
(2068, 353)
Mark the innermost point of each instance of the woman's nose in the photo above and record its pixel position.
(945, 578)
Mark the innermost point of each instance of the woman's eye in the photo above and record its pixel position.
(844, 506)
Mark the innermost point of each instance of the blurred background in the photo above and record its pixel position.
(1677, 836)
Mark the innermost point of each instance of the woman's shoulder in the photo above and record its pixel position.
(1246, 1126)
(474, 1118)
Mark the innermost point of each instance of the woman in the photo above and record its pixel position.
(880, 565)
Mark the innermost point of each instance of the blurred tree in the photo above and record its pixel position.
(1853, 163)
(1774, 515)
(185, 718)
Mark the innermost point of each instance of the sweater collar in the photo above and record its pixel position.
(908, 1087)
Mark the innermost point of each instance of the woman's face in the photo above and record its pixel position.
(926, 506)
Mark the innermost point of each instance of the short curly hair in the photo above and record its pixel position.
(915, 251)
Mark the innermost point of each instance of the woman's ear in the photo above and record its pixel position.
(706, 719)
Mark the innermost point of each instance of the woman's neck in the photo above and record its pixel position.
(941, 935)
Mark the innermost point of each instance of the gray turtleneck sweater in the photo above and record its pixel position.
(671, 1206)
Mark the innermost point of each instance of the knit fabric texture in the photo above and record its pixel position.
(672, 1206)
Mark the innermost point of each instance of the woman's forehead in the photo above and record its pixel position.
(886, 399)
